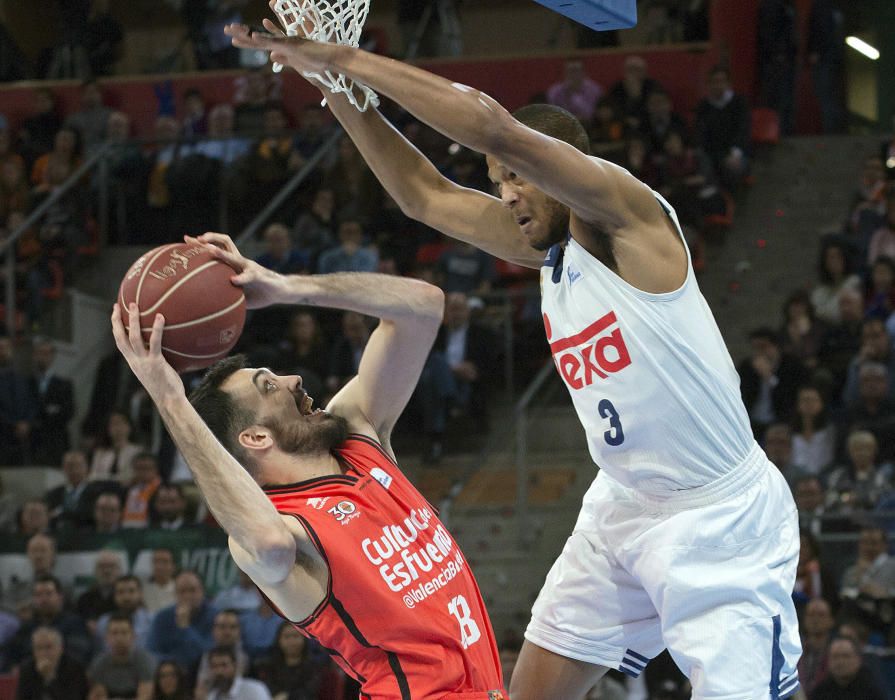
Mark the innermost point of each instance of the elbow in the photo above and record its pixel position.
(496, 129)
(431, 300)
(276, 557)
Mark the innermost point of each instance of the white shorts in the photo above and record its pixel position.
(710, 579)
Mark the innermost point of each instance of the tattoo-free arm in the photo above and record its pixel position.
(410, 313)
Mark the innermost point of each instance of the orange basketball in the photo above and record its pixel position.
(204, 312)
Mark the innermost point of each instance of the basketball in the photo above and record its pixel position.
(204, 312)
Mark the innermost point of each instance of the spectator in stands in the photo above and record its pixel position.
(882, 243)
(102, 38)
(861, 482)
(826, 55)
(41, 553)
(71, 503)
(801, 333)
(631, 92)
(140, 492)
(777, 51)
(92, 119)
(810, 580)
(847, 677)
(816, 632)
(160, 159)
(113, 459)
(182, 632)
(876, 346)
(167, 508)
(810, 499)
(222, 144)
(242, 596)
(313, 129)
(158, 590)
(252, 97)
(195, 118)
(14, 190)
(314, 229)
(50, 672)
(37, 132)
(170, 683)
(873, 410)
(351, 255)
(7, 154)
(47, 610)
(259, 629)
(778, 448)
(53, 397)
(868, 206)
(465, 269)
(881, 291)
(769, 380)
(685, 177)
(576, 92)
(225, 633)
(107, 513)
(279, 255)
(99, 599)
(347, 350)
(288, 671)
(34, 518)
(124, 669)
(14, 408)
(661, 120)
(302, 350)
(842, 339)
(723, 128)
(872, 576)
(227, 683)
(814, 435)
(128, 597)
(358, 192)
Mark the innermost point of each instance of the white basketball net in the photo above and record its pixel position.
(334, 22)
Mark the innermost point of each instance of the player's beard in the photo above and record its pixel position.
(557, 228)
(309, 435)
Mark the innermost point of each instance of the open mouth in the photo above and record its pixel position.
(306, 405)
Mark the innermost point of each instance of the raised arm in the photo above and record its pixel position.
(409, 313)
(262, 544)
(426, 195)
(595, 191)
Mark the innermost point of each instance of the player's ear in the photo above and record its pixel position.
(256, 437)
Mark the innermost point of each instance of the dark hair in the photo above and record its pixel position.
(221, 413)
(109, 492)
(812, 541)
(49, 578)
(192, 92)
(885, 260)
(800, 296)
(822, 419)
(182, 692)
(223, 651)
(765, 333)
(822, 272)
(276, 652)
(556, 122)
(119, 616)
(129, 578)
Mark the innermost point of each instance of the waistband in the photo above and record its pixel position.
(478, 695)
(735, 482)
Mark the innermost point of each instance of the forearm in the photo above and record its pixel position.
(461, 113)
(235, 500)
(405, 173)
(386, 297)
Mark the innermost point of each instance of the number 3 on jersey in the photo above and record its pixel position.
(469, 630)
(615, 436)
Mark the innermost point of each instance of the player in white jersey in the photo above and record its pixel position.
(688, 538)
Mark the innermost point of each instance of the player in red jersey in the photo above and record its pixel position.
(317, 511)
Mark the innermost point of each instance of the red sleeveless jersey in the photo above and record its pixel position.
(403, 614)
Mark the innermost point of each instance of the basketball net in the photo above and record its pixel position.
(333, 22)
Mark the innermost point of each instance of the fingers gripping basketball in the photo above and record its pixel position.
(204, 312)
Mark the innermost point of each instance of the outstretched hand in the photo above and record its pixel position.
(147, 363)
(260, 285)
(299, 53)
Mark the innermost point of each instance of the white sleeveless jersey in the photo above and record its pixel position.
(649, 374)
